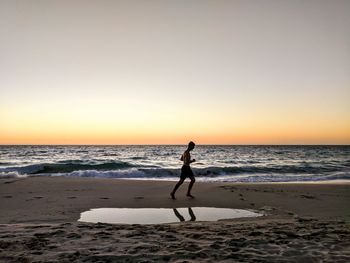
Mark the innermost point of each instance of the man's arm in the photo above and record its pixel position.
(187, 158)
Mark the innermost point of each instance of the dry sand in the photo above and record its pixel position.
(303, 222)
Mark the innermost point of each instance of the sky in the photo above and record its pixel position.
(166, 72)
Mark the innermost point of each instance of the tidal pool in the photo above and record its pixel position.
(161, 215)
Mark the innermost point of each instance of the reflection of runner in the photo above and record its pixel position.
(181, 218)
(178, 215)
(193, 217)
(186, 171)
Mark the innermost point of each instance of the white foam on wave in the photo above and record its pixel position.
(130, 173)
(12, 174)
(173, 175)
(29, 169)
(270, 178)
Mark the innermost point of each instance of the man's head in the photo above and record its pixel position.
(191, 145)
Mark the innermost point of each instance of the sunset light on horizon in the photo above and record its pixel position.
(166, 72)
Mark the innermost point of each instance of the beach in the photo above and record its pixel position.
(111, 111)
(302, 222)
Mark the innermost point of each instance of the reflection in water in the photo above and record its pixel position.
(181, 218)
(161, 215)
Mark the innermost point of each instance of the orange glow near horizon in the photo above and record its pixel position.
(154, 140)
(65, 133)
(152, 122)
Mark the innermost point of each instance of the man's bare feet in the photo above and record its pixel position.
(172, 196)
(189, 195)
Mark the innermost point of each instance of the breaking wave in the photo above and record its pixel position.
(125, 170)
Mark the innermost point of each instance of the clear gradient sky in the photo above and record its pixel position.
(165, 72)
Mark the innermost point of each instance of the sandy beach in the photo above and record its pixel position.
(111, 109)
(302, 222)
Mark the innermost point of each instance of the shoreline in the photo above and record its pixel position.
(337, 181)
(175, 179)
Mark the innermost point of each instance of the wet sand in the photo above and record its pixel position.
(303, 222)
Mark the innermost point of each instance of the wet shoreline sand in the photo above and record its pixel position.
(303, 222)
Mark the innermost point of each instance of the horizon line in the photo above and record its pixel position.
(174, 144)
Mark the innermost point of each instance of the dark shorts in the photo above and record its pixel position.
(186, 171)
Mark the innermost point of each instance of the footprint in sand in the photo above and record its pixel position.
(308, 196)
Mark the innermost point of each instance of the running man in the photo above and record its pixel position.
(186, 171)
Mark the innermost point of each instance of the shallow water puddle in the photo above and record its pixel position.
(162, 215)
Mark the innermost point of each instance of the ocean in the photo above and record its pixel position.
(229, 163)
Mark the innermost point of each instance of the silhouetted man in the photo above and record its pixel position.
(186, 171)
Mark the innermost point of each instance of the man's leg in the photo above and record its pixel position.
(190, 186)
(176, 187)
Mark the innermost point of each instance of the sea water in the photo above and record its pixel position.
(162, 162)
